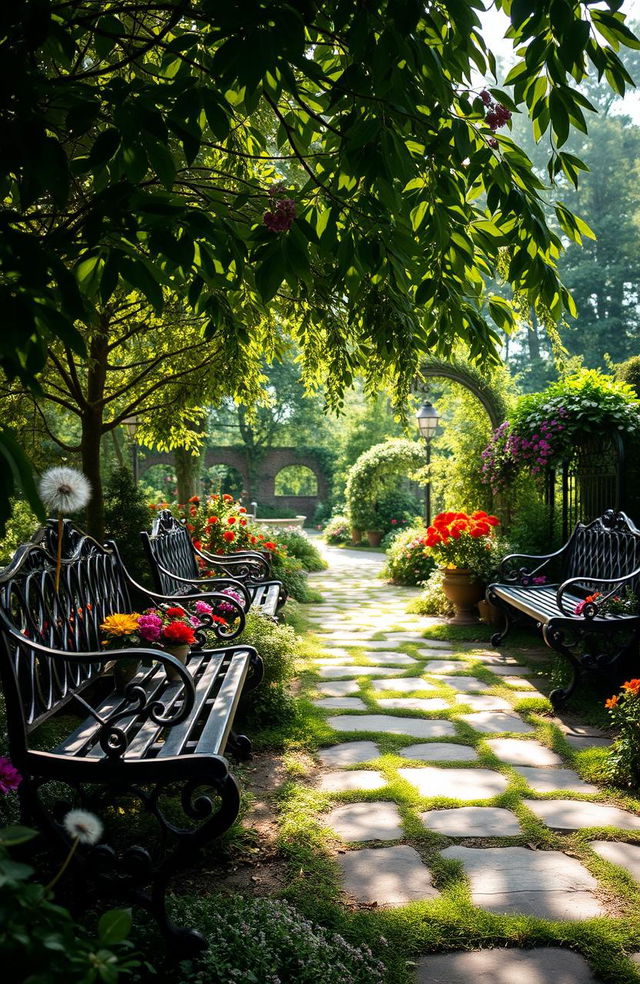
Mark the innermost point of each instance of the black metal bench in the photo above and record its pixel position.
(173, 558)
(602, 556)
(160, 742)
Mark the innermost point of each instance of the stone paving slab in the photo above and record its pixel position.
(413, 703)
(460, 784)
(403, 684)
(389, 658)
(547, 884)
(494, 722)
(625, 855)
(576, 815)
(340, 703)
(521, 682)
(507, 671)
(500, 966)
(331, 672)
(438, 666)
(389, 876)
(337, 652)
(548, 780)
(580, 742)
(472, 821)
(580, 730)
(345, 782)
(366, 821)
(515, 751)
(467, 685)
(334, 661)
(390, 725)
(439, 751)
(349, 753)
(526, 695)
(483, 702)
(497, 659)
(338, 688)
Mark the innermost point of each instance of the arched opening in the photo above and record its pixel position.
(296, 480)
(223, 479)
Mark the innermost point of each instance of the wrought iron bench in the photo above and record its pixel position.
(601, 557)
(173, 558)
(160, 742)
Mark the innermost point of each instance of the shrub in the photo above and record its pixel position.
(622, 764)
(299, 546)
(407, 560)
(125, 514)
(270, 942)
(20, 528)
(395, 510)
(278, 645)
(338, 530)
(629, 372)
(433, 600)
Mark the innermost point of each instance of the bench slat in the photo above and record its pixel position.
(214, 735)
(539, 602)
(177, 737)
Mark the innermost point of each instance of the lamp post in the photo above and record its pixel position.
(131, 425)
(428, 419)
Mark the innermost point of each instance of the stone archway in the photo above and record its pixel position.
(267, 465)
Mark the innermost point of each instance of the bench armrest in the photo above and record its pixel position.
(211, 597)
(253, 566)
(218, 584)
(525, 575)
(135, 699)
(611, 587)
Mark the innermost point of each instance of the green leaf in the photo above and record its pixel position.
(114, 926)
(16, 834)
(161, 160)
(270, 274)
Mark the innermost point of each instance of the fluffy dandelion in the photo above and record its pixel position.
(64, 490)
(82, 826)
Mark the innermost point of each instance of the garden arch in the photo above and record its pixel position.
(473, 380)
(371, 476)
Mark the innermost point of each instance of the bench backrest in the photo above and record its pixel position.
(609, 547)
(92, 585)
(169, 546)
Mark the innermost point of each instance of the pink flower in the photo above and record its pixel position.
(539, 580)
(150, 627)
(10, 778)
(203, 608)
(578, 610)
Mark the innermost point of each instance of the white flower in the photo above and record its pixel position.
(83, 826)
(64, 490)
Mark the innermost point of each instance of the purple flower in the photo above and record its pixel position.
(150, 627)
(10, 778)
(233, 594)
(539, 580)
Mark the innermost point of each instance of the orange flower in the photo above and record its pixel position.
(227, 498)
(612, 702)
(194, 498)
(632, 687)
(242, 509)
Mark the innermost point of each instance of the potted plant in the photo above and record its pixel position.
(461, 544)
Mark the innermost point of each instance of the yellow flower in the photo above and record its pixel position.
(120, 625)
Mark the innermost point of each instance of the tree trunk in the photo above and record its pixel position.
(92, 427)
(533, 339)
(187, 467)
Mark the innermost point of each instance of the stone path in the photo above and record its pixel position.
(427, 736)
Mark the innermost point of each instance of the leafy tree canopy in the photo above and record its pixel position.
(335, 158)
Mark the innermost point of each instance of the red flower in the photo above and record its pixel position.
(252, 539)
(190, 527)
(242, 509)
(212, 521)
(231, 520)
(269, 545)
(227, 498)
(229, 536)
(243, 522)
(193, 510)
(175, 612)
(197, 544)
(178, 633)
(219, 619)
(195, 498)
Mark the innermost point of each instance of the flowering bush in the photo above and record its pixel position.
(545, 427)
(268, 940)
(338, 530)
(408, 560)
(462, 540)
(623, 761)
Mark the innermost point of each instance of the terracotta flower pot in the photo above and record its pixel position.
(356, 536)
(464, 589)
(374, 537)
(181, 652)
(490, 614)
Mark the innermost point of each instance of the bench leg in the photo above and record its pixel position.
(498, 637)
(555, 639)
(239, 746)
